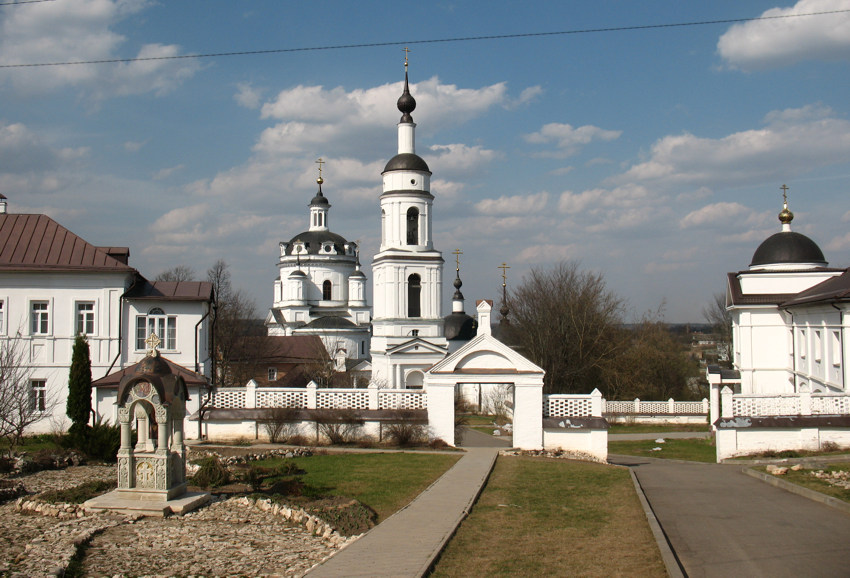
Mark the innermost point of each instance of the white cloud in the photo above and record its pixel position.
(514, 205)
(459, 160)
(134, 146)
(787, 40)
(83, 30)
(569, 139)
(839, 243)
(548, 253)
(247, 95)
(167, 172)
(717, 214)
(793, 142)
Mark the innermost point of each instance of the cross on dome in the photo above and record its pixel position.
(153, 341)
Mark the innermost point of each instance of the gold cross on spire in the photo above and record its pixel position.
(784, 195)
(406, 52)
(457, 253)
(504, 267)
(320, 162)
(153, 341)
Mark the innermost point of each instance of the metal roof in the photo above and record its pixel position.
(38, 243)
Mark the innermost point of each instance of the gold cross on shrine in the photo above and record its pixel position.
(784, 195)
(457, 253)
(320, 162)
(406, 52)
(153, 341)
(504, 267)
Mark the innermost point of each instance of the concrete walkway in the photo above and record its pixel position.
(720, 522)
(672, 435)
(407, 543)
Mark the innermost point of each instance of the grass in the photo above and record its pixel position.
(384, 482)
(37, 443)
(546, 517)
(695, 450)
(805, 479)
(622, 428)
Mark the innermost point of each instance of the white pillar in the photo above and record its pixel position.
(528, 413)
(441, 410)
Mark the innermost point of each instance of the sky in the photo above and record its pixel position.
(651, 154)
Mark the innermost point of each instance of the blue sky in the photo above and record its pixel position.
(653, 156)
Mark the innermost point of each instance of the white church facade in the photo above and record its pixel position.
(790, 327)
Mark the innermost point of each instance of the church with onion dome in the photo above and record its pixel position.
(790, 319)
(320, 289)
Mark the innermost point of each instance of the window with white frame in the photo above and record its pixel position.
(40, 318)
(835, 349)
(802, 343)
(272, 373)
(818, 352)
(2, 317)
(85, 318)
(156, 321)
(38, 395)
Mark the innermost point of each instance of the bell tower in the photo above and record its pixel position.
(407, 272)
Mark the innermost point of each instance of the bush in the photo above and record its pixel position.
(279, 426)
(211, 474)
(339, 426)
(349, 518)
(100, 441)
(405, 431)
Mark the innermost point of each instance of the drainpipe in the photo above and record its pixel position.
(793, 350)
(197, 360)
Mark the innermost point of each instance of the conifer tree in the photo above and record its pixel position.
(79, 385)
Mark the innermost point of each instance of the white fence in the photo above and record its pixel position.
(311, 397)
(669, 407)
(754, 423)
(794, 404)
(569, 405)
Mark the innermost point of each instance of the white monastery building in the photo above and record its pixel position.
(789, 317)
(55, 285)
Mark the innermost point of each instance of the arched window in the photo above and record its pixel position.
(156, 321)
(412, 226)
(414, 291)
(327, 288)
(383, 226)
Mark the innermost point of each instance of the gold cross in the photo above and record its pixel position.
(784, 195)
(320, 162)
(504, 267)
(153, 342)
(406, 52)
(457, 253)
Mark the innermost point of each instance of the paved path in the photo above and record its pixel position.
(721, 522)
(408, 542)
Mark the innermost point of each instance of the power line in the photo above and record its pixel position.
(427, 41)
(24, 2)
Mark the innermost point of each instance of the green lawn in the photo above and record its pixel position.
(384, 482)
(695, 450)
(620, 428)
(548, 517)
(805, 478)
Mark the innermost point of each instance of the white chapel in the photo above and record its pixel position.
(320, 289)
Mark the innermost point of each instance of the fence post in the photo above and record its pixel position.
(671, 406)
(805, 400)
(637, 405)
(373, 395)
(604, 406)
(726, 402)
(596, 403)
(311, 395)
(705, 406)
(251, 394)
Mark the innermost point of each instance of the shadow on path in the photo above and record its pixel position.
(471, 438)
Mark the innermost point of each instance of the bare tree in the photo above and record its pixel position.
(566, 321)
(20, 405)
(720, 319)
(178, 273)
(234, 327)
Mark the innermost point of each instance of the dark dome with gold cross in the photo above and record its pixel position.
(787, 249)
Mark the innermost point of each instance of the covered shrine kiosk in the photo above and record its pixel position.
(151, 474)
